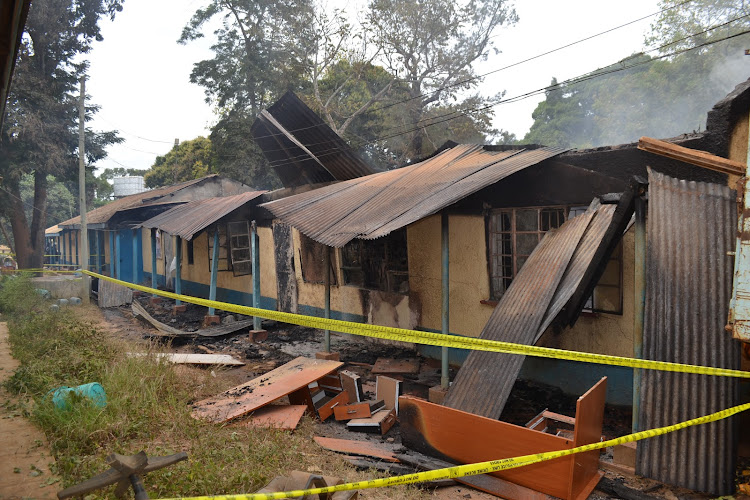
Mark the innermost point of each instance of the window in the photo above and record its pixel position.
(312, 258)
(240, 251)
(224, 264)
(513, 235)
(607, 294)
(190, 252)
(379, 264)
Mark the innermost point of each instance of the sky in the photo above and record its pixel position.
(140, 76)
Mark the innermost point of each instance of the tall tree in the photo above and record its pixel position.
(40, 134)
(432, 46)
(662, 95)
(188, 160)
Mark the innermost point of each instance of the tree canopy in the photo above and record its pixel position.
(40, 137)
(188, 160)
(660, 95)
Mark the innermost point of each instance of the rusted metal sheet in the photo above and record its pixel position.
(690, 228)
(263, 390)
(485, 380)
(373, 206)
(102, 214)
(302, 148)
(191, 218)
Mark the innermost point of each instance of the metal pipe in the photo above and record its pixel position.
(445, 246)
(214, 271)
(154, 277)
(327, 340)
(255, 251)
(178, 269)
(639, 286)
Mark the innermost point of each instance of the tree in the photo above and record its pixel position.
(188, 160)
(432, 46)
(40, 134)
(660, 96)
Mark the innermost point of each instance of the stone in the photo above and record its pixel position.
(228, 319)
(211, 319)
(75, 301)
(62, 302)
(54, 307)
(330, 356)
(44, 293)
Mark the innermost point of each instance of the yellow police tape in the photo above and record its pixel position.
(481, 467)
(436, 339)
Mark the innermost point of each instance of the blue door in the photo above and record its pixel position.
(125, 260)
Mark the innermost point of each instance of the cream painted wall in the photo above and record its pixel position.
(469, 276)
(602, 333)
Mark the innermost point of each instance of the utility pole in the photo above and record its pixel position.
(82, 190)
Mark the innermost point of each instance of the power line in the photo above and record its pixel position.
(589, 76)
(476, 77)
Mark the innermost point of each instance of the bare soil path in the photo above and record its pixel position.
(24, 455)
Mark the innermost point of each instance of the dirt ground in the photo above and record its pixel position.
(286, 342)
(24, 456)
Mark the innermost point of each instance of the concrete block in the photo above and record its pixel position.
(258, 335)
(330, 356)
(75, 301)
(228, 319)
(62, 302)
(437, 394)
(211, 319)
(154, 301)
(54, 307)
(624, 454)
(178, 309)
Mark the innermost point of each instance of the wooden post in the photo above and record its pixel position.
(118, 266)
(255, 255)
(82, 191)
(135, 256)
(154, 277)
(328, 297)
(214, 277)
(178, 270)
(112, 255)
(98, 252)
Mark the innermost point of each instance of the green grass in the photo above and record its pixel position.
(148, 408)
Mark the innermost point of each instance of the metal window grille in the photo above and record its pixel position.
(240, 250)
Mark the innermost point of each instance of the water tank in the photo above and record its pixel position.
(125, 186)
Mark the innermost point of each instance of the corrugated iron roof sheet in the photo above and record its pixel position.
(52, 231)
(485, 380)
(302, 148)
(103, 214)
(191, 218)
(690, 228)
(373, 206)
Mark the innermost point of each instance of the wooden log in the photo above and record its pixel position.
(692, 156)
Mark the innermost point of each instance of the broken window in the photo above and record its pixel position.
(513, 234)
(379, 264)
(190, 255)
(607, 294)
(225, 263)
(312, 257)
(240, 251)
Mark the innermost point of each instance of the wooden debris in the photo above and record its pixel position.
(388, 389)
(327, 407)
(191, 359)
(331, 383)
(283, 417)
(380, 423)
(361, 448)
(250, 396)
(483, 482)
(692, 156)
(358, 410)
(352, 383)
(467, 438)
(388, 365)
(113, 295)
(168, 331)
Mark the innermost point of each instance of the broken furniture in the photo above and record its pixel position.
(282, 417)
(460, 437)
(291, 379)
(361, 448)
(126, 471)
(357, 410)
(298, 480)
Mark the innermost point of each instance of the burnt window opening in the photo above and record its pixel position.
(224, 263)
(190, 258)
(312, 257)
(379, 264)
(240, 251)
(513, 234)
(607, 294)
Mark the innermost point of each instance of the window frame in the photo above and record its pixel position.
(239, 266)
(386, 279)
